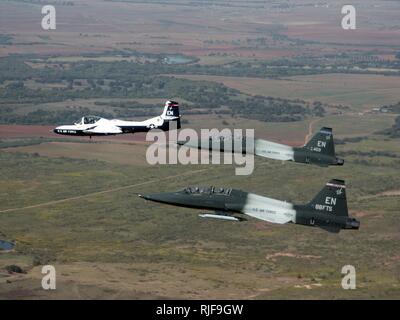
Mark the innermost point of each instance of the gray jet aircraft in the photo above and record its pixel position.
(320, 150)
(328, 209)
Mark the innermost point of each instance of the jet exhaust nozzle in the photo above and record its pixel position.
(352, 224)
(339, 161)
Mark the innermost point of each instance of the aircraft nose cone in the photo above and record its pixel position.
(149, 197)
(146, 197)
(158, 197)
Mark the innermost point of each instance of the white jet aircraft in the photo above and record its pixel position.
(97, 126)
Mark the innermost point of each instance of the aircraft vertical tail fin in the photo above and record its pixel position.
(332, 198)
(322, 142)
(171, 113)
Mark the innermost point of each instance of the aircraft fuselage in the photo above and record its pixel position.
(124, 126)
(232, 202)
(319, 150)
(97, 126)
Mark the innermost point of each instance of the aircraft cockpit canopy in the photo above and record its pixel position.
(208, 190)
(88, 120)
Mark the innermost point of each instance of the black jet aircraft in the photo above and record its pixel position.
(320, 150)
(96, 126)
(328, 209)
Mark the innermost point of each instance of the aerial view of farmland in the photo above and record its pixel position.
(84, 82)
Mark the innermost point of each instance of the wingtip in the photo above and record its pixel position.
(337, 183)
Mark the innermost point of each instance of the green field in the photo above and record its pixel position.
(98, 239)
(363, 92)
(283, 69)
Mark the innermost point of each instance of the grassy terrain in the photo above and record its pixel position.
(73, 203)
(363, 92)
(121, 245)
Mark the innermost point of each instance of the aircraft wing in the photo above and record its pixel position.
(271, 216)
(104, 129)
